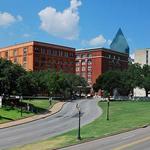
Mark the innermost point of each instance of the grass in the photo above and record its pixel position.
(44, 104)
(9, 114)
(123, 116)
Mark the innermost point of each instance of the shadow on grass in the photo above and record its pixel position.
(7, 108)
(39, 110)
(6, 118)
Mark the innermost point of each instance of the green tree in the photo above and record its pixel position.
(146, 79)
(134, 73)
(108, 81)
(9, 73)
(27, 84)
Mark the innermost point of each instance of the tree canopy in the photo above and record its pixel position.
(125, 81)
(14, 80)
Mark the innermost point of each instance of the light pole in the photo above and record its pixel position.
(21, 104)
(79, 111)
(108, 103)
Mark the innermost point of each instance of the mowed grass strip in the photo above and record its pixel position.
(123, 116)
(44, 103)
(10, 114)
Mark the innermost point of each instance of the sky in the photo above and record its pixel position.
(75, 23)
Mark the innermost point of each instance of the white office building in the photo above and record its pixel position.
(142, 56)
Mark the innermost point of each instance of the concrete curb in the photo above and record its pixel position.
(33, 118)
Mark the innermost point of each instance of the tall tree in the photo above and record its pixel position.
(146, 79)
(108, 81)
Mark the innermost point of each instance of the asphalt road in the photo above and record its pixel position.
(134, 140)
(65, 120)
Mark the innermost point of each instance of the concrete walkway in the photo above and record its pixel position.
(56, 108)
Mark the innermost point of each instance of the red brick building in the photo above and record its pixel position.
(90, 63)
(37, 56)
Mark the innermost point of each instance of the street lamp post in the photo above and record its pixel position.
(79, 111)
(108, 104)
(21, 104)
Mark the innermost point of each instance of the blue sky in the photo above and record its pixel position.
(75, 23)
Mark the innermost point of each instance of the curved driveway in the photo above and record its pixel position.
(65, 120)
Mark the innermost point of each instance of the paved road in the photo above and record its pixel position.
(61, 122)
(134, 140)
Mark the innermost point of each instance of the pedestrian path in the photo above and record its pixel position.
(56, 108)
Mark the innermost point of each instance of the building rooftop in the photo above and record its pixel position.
(100, 49)
(35, 42)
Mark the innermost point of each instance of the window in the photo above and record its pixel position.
(25, 51)
(49, 52)
(77, 56)
(83, 56)
(83, 68)
(89, 80)
(89, 55)
(89, 68)
(24, 56)
(89, 62)
(6, 54)
(37, 60)
(61, 53)
(37, 50)
(89, 73)
(83, 62)
(15, 60)
(43, 50)
(77, 63)
(15, 52)
(77, 68)
(15, 56)
(71, 54)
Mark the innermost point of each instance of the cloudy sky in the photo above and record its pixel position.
(75, 23)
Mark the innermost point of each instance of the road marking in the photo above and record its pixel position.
(132, 143)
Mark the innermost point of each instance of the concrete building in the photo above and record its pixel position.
(90, 63)
(37, 56)
(142, 56)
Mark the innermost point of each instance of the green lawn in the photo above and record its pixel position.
(9, 114)
(44, 104)
(123, 116)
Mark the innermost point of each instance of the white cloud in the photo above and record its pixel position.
(63, 24)
(96, 41)
(7, 19)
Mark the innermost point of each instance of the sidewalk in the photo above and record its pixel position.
(56, 108)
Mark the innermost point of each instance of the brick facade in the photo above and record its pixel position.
(91, 63)
(38, 56)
